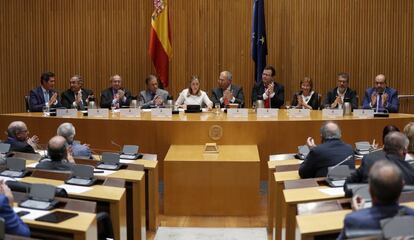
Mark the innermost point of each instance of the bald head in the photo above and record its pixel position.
(396, 143)
(330, 130)
(17, 130)
(56, 148)
(225, 79)
(385, 182)
(380, 83)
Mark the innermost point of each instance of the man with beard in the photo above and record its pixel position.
(342, 93)
(381, 97)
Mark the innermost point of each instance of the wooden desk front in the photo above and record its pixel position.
(218, 184)
(273, 136)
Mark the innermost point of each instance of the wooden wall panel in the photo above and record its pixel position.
(98, 38)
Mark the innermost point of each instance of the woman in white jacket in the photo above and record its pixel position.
(193, 95)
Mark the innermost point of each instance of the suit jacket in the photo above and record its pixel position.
(392, 104)
(278, 99)
(107, 96)
(37, 100)
(19, 146)
(349, 94)
(68, 97)
(325, 155)
(361, 174)
(237, 91)
(313, 101)
(146, 98)
(48, 164)
(13, 223)
(369, 218)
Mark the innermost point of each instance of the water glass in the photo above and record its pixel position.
(217, 107)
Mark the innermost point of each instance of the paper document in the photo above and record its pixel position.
(74, 189)
(105, 172)
(339, 191)
(33, 213)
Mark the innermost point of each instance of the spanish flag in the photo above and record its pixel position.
(160, 48)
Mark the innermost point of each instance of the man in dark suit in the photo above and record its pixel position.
(331, 152)
(385, 186)
(226, 92)
(76, 96)
(115, 96)
(18, 138)
(342, 93)
(271, 92)
(381, 97)
(44, 94)
(58, 156)
(395, 148)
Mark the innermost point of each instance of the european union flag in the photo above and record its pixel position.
(259, 42)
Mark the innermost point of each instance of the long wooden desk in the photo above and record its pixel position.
(115, 197)
(156, 135)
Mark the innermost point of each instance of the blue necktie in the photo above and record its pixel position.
(46, 95)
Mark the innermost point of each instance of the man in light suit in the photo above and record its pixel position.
(153, 96)
(226, 92)
(271, 92)
(115, 95)
(76, 96)
(381, 97)
(331, 152)
(44, 94)
(385, 186)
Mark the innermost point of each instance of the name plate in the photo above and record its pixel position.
(299, 113)
(98, 112)
(363, 113)
(332, 113)
(130, 112)
(267, 112)
(161, 112)
(237, 112)
(66, 112)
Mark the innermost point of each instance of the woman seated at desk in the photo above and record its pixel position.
(306, 98)
(193, 95)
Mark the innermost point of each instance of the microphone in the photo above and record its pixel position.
(117, 145)
(346, 159)
(337, 174)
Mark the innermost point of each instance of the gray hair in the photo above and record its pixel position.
(395, 142)
(330, 130)
(14, 128)
(228, 75)
(67, 130)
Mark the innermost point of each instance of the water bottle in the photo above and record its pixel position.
(46, 109)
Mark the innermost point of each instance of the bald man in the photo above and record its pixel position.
(385, 186)
(226, 92)
(18, 138)
(381, 97)
(331, 152)
(57, 156)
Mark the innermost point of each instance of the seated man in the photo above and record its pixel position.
(385, 186)
(18, 138)
(76, 96)
(226, 92)
(332, 151)
(152, 96)
(67, 130)
(337, 96)
(395, 149)
(380, 97)
(57, 156)
(115, 96)
(44, 95)
(12, 223)
(271, 92)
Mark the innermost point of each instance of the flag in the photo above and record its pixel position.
(259, 41)
(160, 49)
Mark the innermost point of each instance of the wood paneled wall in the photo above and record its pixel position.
(98, 38)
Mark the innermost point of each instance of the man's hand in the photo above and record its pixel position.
(384, 99)
(227, 94)
(158, 100)
(357, 203)
(270, 89)
(338, 100)
(69, 156)
(33, 141)
(4, 189)
(53, 99)
(121, 94)
(78, 98)
(373, 99)
(310, 142)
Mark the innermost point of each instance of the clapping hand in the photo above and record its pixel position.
(270, 89)
(374, 99)
(357, 203)
(310, 142)
(33, 141)
(158, 100)
(120, 94)
(228, 94)
(53, 99)
(4, 189)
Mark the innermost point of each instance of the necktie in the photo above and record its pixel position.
(379, 102)
(46, 95)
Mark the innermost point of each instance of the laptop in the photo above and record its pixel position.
(41, 197)
(15, 168)
(303, 151)
(109, 161)
(130, 152)
(81, 175)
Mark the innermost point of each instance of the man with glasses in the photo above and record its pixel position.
(271, 92)
(18, 138)
(342, 93)
(381, 97)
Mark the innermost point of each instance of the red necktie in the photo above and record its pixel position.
(267, 103)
